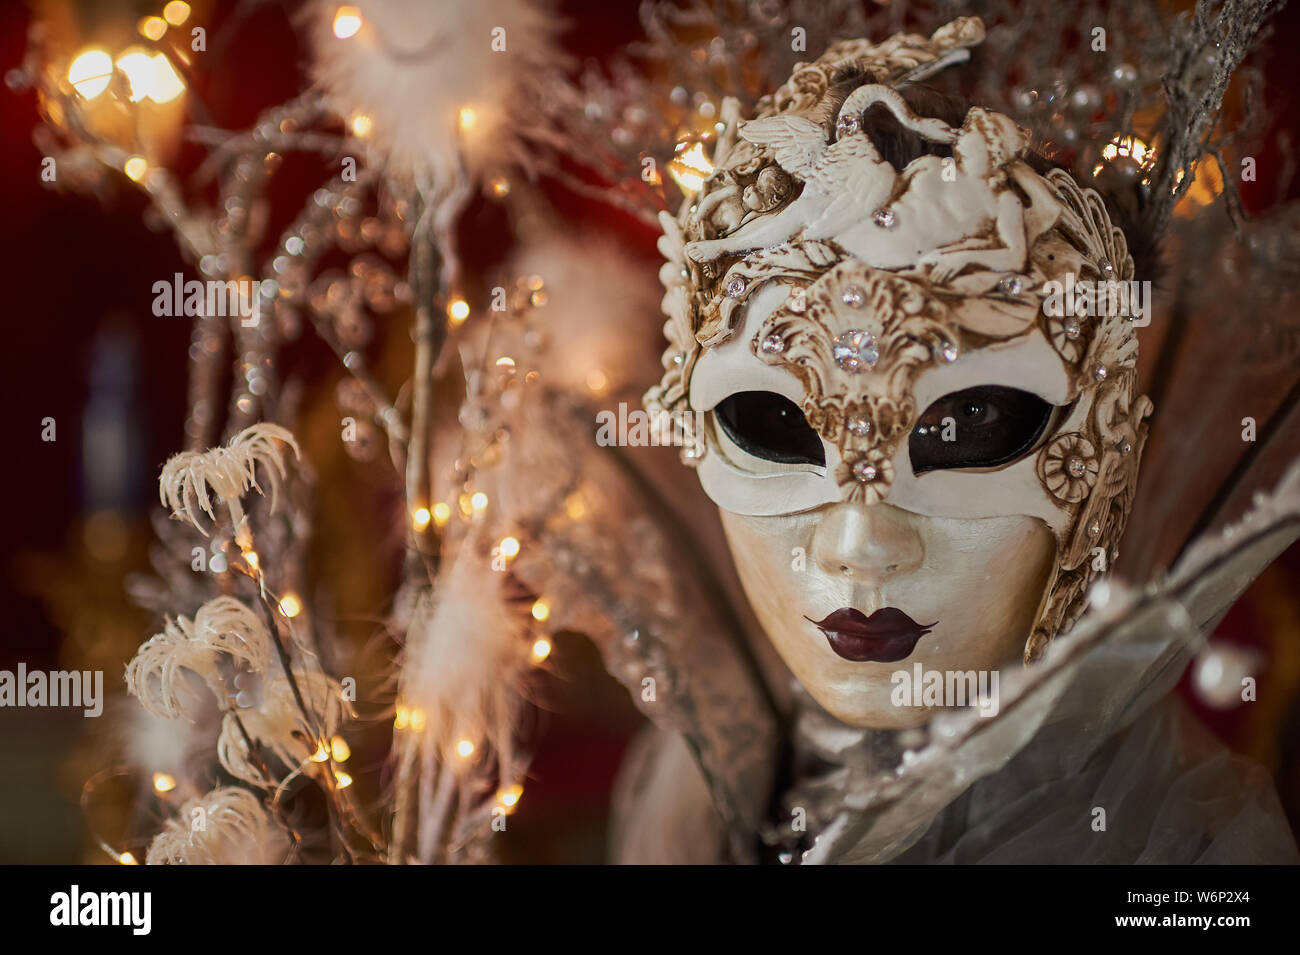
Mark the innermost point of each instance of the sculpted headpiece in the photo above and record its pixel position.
(863, 287)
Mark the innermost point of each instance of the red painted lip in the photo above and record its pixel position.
(887, 636)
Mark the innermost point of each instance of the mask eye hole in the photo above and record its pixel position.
(769, 426)
(981, 427)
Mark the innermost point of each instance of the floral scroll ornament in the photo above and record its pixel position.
(1068, 467)
(856, 339)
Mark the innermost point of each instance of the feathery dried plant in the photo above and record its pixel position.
(229, 472)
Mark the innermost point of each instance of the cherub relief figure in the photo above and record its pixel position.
(945, 213)
(845, 182)
(973, 216)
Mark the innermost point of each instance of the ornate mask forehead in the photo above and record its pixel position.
(873, 287)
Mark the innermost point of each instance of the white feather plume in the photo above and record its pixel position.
(414, 65)
(229, 472)
(158, 673)
(228, 826)
(466, 658)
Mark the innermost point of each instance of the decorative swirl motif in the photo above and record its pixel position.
(1068, 467)
(852, 317)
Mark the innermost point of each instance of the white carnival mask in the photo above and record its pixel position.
(883, 388)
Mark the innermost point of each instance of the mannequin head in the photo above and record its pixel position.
(917, 457)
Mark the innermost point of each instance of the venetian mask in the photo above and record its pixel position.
(920, 453)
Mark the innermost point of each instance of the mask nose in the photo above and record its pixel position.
(867, 542)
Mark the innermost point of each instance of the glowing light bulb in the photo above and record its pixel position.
(127, 859)
(167, 83)
(347, 22)
(139, 70)
(540, 610)
(135, 168)
(339, 749)
(509, 547)
(402, 719)
(176, 12)
(457, 310)
(420, 517)
(500, 187)
(478, 500)
(322, 752)
(509, 796)
(150, 75)
(361, 125)
(90, 72)
(467, 118)
(465, 749)
(575, 506)
(441, 513)
(250, 556)
(1129, 146)
(690, 167)
(163, 782)
(418, 719)
(343, 779)
(541, 649)
(152, 28)
(290, 605)
(596, 380)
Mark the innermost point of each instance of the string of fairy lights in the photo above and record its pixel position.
(145, 79)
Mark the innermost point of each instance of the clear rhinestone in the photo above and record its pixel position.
(848, 125)
(884, 218)
(1107, 269)
(1126, 447)
(678, 358)
(773, 344)
(736, 287)
(947, 351)
(786, 857)
(864, 471)
(855, 350)
(1076, 467)
(859, 425)
(1094, 529)
(853, 296)
(1010, 285)
(1099, 373)
(1072, 329)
